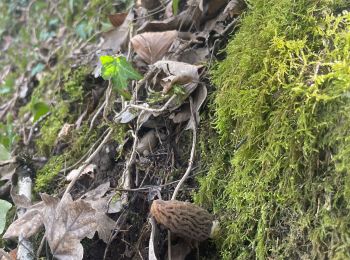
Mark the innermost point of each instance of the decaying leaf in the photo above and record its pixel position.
(152, 46)
(147, 143)
(98, 192)
(199, 96)
(115, 39)
(184, 76)
(65, 131)
(89, 169)
(117, 19)
(28, 224)
(66, 223)
(21, 201)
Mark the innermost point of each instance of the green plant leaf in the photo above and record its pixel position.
(39, 109)
(119, 71)
(175, 6)
(4, 207)
(4, 153)
(38, 68)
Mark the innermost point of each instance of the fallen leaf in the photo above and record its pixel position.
(87, 170)
(105, 226)
(116, 39)
(147, 143)
(210, 8)
(21, 201)
(152, 46)
(28, 224)
(98, 192)
(199, 96)
(117, 19)
(65, 131)
(181, 22)
(126, 116)
(66, 223)
(178, 73)
(234, 7)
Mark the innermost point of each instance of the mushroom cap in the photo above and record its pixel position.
(183, 219)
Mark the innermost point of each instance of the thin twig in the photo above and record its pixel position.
(88, 160)
(26, 141)
(193, 149)
(154, 110)
(190, 163)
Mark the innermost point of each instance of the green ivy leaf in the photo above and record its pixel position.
(39, 109)
(4, 208)
(119, 71)
(4, 153)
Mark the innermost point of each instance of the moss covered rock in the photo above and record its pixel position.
(279, 169)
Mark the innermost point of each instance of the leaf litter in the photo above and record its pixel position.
(151, 68)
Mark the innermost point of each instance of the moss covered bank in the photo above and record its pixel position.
(283, 94)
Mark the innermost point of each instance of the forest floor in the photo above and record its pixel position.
(100, 108)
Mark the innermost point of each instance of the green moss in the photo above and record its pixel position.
(73, 83)
(284, 88)
(81, 141)
(51, 128)
(46, 174)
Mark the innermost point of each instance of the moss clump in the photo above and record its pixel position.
(73, 83)
(46, 174)
(51, 127)
(284, 88)
(82, 140)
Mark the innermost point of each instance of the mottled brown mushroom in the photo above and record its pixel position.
(183, 219)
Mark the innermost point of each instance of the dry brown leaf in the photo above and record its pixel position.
(210, 8)
(65, 131)
(234, 7)
(116, 38)
(152, 46)
(67, 222)
(147, 143)
(199, 96)
(20, 201)
(189, 17)
(178, 73)
(98, 192)
(117, 19)
(105, 225)
(27, 225)
(89, 169)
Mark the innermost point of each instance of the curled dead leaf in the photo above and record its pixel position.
(152, 46)
(117, 19)
(89, 169)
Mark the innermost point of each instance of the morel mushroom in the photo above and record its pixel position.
(184, 219)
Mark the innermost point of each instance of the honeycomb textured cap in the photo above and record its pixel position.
(183, 219)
